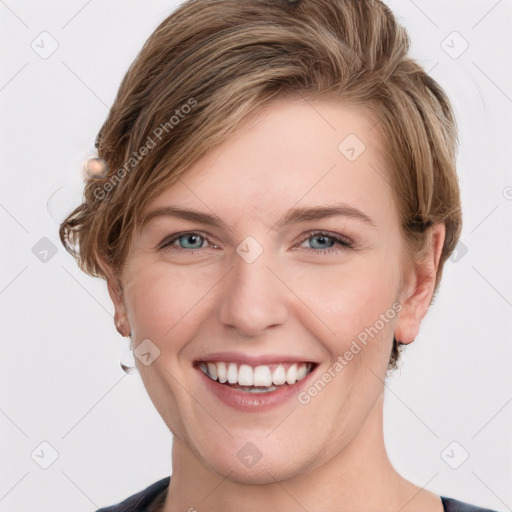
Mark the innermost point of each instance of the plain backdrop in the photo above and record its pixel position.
(76, 432)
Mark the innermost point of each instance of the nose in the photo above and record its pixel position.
(254, 298)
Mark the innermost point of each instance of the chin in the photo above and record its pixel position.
(248, 465)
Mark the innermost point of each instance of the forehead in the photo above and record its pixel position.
(293, 153)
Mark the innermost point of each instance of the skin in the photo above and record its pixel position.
(329, 454)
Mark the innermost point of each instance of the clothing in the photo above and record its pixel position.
(151, 498)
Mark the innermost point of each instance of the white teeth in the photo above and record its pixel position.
(245, 375)
(301, 371)
(291, 374)
(232, 374)
(279, 375)
(262, 376)
(212, 370)
(222, 372)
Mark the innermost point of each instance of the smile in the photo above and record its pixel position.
(263, 378)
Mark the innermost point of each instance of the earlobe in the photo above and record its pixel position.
(419, 286)
(115, 291)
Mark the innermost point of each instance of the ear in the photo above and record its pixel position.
(115, 290)
(418, 287)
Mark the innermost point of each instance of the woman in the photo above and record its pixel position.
(277, 202)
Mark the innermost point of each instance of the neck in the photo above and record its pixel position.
(359, 477)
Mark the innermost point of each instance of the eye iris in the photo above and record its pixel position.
(195, 241)
(188, 238)
(323, 238)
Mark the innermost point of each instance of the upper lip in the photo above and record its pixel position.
(252, 360)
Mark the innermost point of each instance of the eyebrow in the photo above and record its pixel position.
(295, 215)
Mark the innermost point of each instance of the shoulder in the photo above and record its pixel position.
(139, 501)
(453, 505)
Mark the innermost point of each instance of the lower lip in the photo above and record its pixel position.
(254, 402)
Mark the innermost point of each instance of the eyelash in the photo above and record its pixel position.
(345, 243)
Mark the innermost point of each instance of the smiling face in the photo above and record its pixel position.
(266, 280)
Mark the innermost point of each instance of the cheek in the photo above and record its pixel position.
(349, 298)
(165, 304)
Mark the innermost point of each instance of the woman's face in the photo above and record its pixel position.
(261, 276)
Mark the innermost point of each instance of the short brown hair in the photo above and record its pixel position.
(213, 63)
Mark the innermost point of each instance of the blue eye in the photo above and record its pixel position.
(327, 241)
(323, 240)
(192, 242)
(192, 239)
(186, 241)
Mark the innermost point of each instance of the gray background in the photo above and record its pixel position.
(61, 384)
